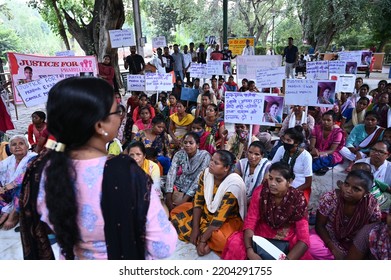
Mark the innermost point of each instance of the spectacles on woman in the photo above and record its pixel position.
(118, 112)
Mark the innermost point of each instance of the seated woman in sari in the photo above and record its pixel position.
(207, 141)
(138, 153)
(12, 170)
(238, 142)
(373, 241)
(219, 207)
(354, 116)
(326, 141)
(215, 125)
(361, 138)
(341, 214)
(157, 138)
(298, 158)
(253, 168)
(180, 123)
(183, 176)
(277, 211)
(144, 121)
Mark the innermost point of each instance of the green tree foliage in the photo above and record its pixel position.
(379, 21)
(322, 20)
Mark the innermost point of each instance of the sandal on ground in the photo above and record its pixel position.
(12, 221)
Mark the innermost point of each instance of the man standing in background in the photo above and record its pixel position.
(291, 56)
(179, 62)
(248, 50)
(135, 62)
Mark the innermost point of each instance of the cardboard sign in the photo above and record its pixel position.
(270, 77)
(158, 82)
(218, 67)
(337, 67)
(198, 70)
(159, 42)
(189, 94)
(36, 92)
(65, 53)
(344, 82)
(310, 92)
(353, 56)
(317, 70)
(135, 82)
(122, 38)
(247, 66)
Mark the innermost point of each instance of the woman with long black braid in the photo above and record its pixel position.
(98, 208)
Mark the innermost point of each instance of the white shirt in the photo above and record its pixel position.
(248, 50)
(187, 59)
(302, 168)
(158, 64)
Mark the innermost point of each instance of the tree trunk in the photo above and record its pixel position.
(61, 27)
(93, 37)
(382, 44)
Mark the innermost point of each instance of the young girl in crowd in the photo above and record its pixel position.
(35, 129)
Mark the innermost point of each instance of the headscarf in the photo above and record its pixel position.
(292, 208)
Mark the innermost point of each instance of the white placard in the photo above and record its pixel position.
(135, 82)
(158, 82)
(198, 70)
(243, 107)
(301, 92)
(247, 66)
(270, 77)
(337, 67)
(122, 38)
(218, 67)
(317, 70)
(159, 42)
(353, 56)
(36, 92)
(344, 82)
(65, 53)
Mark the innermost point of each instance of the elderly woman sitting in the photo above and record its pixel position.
(12, 170)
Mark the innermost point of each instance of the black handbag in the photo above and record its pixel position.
(283, 245)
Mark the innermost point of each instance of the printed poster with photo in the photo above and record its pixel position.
(302, 92)
(344, 82)
(253, 108)
(26, 68)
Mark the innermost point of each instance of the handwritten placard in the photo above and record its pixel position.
(121, 38)
(36, 92)
(198, 70)
(65, 53)
(189, 94)
(136, 82)
(301, 92)
(317, 70)
(351, 56)
(156, 81)
(243, 107)
(337, 67)
(218, 67)
(247, 66)
(159, 42)
(270, 77)
(344, 82)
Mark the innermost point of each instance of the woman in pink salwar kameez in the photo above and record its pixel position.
(276, 211)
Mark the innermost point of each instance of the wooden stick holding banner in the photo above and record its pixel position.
(250, 135)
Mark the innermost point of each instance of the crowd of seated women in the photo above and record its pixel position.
(221, 188)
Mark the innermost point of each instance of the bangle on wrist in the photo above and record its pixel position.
(248, 248)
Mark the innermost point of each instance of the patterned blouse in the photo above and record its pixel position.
(161, 237)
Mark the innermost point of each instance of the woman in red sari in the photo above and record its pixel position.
(278, 211)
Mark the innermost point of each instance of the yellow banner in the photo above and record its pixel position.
(236, 45)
